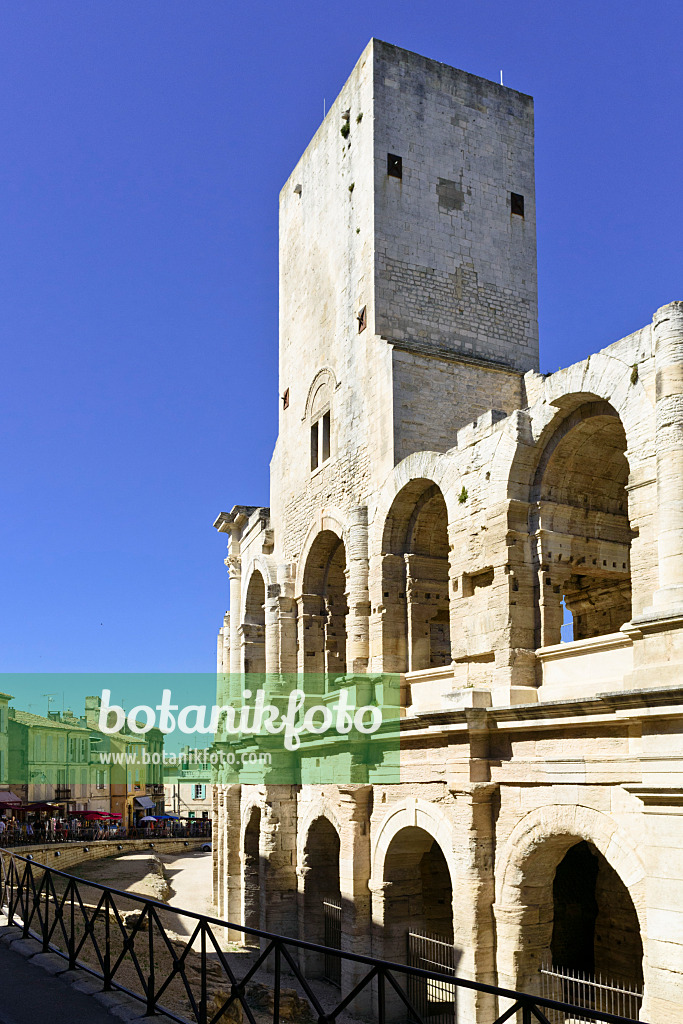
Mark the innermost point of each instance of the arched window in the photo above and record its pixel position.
(320, 426)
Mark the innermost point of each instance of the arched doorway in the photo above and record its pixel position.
(596, 951)
(322, 899)
(415, 574)
(418, 921)
(580, 520)
(252, 874)
(323, 607)
(254, 626)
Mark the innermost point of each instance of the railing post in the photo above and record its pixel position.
(107, 944)
(381, 998)
(526, 1014)
(72, 936)
(25, 902)
(203, 1015)
(46, 919)
(151, 1002)
(276, 986)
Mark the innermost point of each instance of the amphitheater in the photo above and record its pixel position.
(507, 544)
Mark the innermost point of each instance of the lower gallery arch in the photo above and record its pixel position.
(321, 898)
(562, 905)
(417, 919)
(252, 874)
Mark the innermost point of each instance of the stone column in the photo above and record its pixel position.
(667, 333)
(358, 598)
(234, 565)
(354, 876)
(272, 643)
(287, 618)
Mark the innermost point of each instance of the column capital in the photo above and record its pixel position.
(234, 566)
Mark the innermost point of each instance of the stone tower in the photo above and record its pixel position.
(408, 299)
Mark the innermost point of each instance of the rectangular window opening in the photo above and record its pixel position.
(394, 165)
(517, 204)
(326, 436)
(314, 445)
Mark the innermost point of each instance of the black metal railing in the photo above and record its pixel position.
(122, 939)
(20, 836)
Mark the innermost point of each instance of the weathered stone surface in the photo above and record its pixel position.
(442, 511)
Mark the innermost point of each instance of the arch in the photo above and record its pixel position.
(412, 892)
(265, 566)
(325, 376)
(436, 468)
(328, 519)
(580, 524)
(525, 871)
(319, 808)
(412, 812)
(323, 607)
(415, 579)
(600, 378)
(320, 899)
(253, 626)
(252, 869)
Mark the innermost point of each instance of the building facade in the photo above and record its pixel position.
(440, 510)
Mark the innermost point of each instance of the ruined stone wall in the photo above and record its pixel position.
(434, 398)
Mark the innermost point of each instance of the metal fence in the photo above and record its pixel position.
(128, 943)
(589, 992)
(332, 932)
(434, 1000)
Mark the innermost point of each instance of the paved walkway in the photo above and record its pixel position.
(38, 988)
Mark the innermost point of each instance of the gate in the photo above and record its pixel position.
(332, 921)
(434, 1001)
(593, 992)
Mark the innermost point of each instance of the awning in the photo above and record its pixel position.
(9, 798)
(144, 801)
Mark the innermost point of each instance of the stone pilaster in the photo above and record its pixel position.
(667, 330)
(473, 894)
(354, 875)
(358, 598)
(277, 850)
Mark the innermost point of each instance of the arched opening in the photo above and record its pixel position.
(418, 920)
(583, 535)
(322, 626)
(596, 951)
(254, 625)
(415, 574)
(252, 872)
(322, 898)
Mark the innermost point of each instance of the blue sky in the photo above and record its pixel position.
(144, 146)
